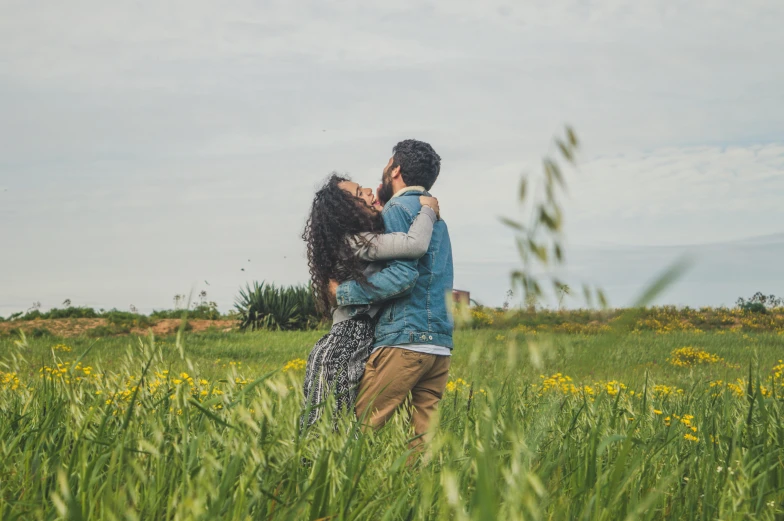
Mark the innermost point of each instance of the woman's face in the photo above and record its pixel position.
(365, 194)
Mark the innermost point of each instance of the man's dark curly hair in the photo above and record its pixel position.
(336, 219)
(419, 164)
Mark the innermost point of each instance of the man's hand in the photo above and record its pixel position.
(333, 291)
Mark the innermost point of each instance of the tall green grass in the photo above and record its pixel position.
(507, 446)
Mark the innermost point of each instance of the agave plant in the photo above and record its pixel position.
(309, 315)
(263, 306)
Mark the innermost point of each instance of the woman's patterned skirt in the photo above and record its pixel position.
(335, 366)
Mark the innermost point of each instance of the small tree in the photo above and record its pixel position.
(759, 303)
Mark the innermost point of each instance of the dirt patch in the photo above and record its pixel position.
(169, 326)
(58, 327)
(70, 327)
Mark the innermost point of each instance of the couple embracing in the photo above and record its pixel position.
(382, 265)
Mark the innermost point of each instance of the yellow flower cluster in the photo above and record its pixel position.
(9, 381)
(778, 373)
(572, 328)
(62, 348)
(689, 356)
(665, 326)
(66, 370)
(118, 390)
(562, 384)
(662, 391)
(230, 364)
(739, 387)
(614, 387)
(735, 387)
(575, 328)
(481, 317)
(526, 330)
(294, 365)
(457, 385)
(558, 382)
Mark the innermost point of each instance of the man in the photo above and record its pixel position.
(413, 337)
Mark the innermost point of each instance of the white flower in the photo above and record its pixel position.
(771, 504)
(719, 468)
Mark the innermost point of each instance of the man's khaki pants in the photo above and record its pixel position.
(395, 376)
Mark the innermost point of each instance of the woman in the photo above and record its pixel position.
(346, 241)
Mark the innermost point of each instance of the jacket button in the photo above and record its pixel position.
(431, 337)
(424, 337)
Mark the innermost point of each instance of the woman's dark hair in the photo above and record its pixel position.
(419, 164)
(335, 222)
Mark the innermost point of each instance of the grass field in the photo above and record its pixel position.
(565, 426)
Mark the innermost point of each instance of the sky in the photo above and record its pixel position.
(149, 149)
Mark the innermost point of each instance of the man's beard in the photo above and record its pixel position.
(385, 192)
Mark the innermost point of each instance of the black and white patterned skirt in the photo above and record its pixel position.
(335, 366)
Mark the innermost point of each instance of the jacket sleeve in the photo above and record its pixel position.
(400, 245)
(396, 280)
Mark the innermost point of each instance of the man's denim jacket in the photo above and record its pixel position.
(415, 290)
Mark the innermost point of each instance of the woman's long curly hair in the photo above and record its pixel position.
(336, 220)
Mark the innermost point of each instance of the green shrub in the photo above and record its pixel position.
(72, 312)
(760, 303)
(261, 306)
(101, 331)
(32, 315)
(200, 312)
(69, 312)
(39, 332)
(127, 320)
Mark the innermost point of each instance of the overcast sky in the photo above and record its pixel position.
(154, 148)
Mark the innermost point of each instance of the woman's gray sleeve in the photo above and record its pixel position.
(399, 245)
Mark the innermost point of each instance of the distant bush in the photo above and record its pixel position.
(39, 332)
(760, 303)
(200, 312)
(69, 312)
(127, 320)
(261, 306)
(101, 331)
(72, 312)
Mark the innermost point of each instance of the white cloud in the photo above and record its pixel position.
(680, 196)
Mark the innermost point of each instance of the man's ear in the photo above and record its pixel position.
(395, 173)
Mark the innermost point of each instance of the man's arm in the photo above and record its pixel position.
(396, 280)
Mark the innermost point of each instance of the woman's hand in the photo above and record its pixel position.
(333, 291)
(432, 202)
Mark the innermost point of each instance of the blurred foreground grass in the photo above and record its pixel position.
(642, 426)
